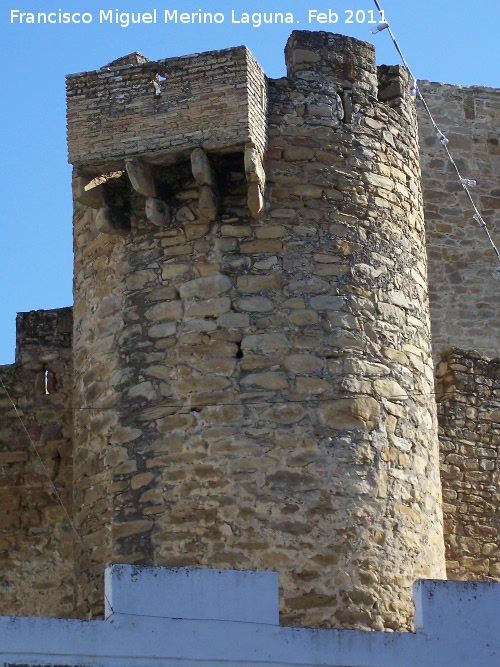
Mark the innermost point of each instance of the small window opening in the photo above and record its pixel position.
(346, 98)
(49, 382)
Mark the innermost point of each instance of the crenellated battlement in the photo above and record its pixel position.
(341, 61)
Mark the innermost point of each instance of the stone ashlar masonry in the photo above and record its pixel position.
(465, 306)
(36, 541)
(249, 355)
(253, 373)
(469, 418)
(464, 295)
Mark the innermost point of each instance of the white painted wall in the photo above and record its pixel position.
(210, 618)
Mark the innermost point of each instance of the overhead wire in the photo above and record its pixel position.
(195, 406)
(464, 182)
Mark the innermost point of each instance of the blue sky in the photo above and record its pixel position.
(450, 42)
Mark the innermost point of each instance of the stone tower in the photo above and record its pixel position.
(254, 384)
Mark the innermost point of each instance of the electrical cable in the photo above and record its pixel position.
(284, 401)
(465, 182)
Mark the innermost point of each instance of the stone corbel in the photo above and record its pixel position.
(142, 180)
(94, 192)
(256, 178)
(140, 177)
(205, 177)
(157, 212)
(88, 192)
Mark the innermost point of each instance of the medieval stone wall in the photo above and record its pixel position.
(254, 387)
(464, 295)
(253, 382)
(36, 541)
(469, 418)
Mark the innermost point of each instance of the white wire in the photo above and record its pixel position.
(442, 137)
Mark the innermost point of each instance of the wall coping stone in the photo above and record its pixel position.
(457, 626)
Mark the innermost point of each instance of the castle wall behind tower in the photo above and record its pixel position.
(36, 541)
(465, 307)
(469, 418)
(464, 295)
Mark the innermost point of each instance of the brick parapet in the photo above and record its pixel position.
(166, 108)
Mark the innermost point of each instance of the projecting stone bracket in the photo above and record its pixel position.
(140, 177)
(108, 194)
(157, 212)
(88, 192)
(142, 180)
(205, 177)
(256, 178)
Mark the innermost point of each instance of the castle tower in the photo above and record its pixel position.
(254, 387)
